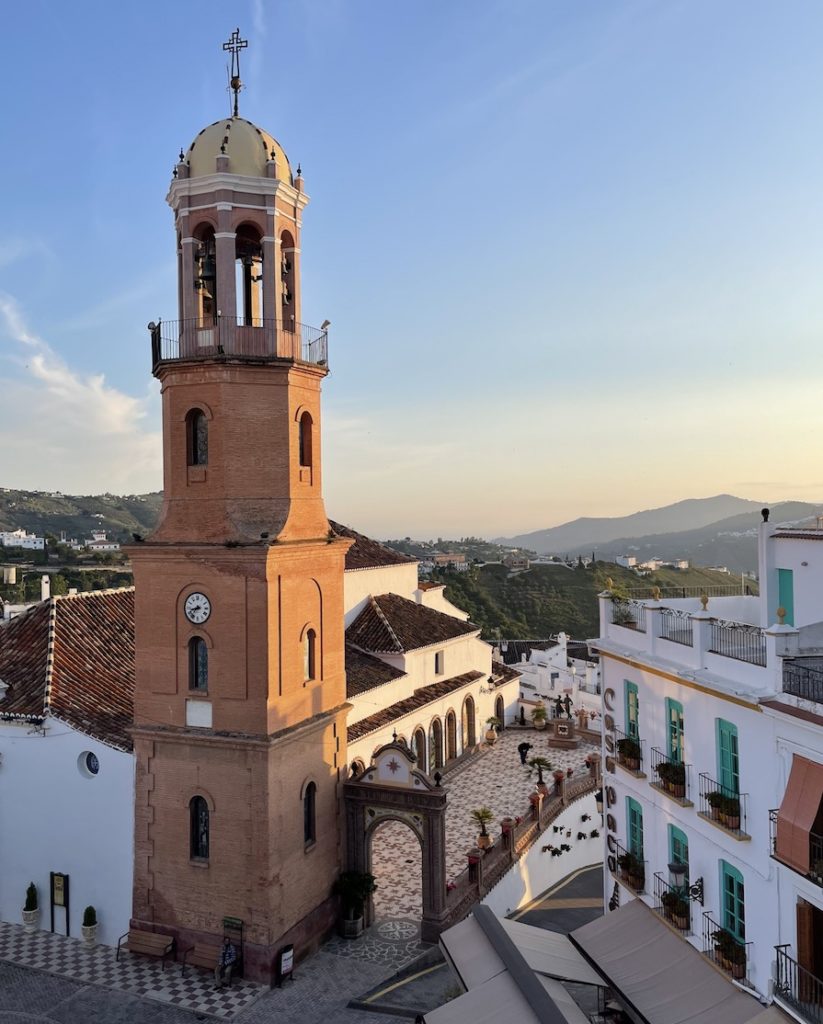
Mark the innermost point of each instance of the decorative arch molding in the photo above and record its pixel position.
(194, 791)
(205, 222)
(198, 633)
(305, 784)
(202, 406)
(393, 788)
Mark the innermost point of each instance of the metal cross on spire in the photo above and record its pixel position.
(234, 46)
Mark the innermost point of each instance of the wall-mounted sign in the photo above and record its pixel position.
(59, 896)
(609, 792)
(285, 964)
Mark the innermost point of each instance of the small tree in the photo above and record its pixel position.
(539, 714)
(542, 764)
(493, 722)
(482, 815)
(89, 917)
(31, 897)
(354, 888)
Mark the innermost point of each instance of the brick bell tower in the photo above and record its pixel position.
(240, 696)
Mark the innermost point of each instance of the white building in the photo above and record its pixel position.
(99, 542)
(714, 759)
(21, 539)
(555, 669)
(627, 561)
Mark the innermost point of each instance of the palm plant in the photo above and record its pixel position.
(482, 816)
(542, 764)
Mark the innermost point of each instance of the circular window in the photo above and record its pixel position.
(89, 764)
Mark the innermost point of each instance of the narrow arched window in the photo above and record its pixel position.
(197, 438)
(309, 801)
(198, 828)
(419, 741)
(304, 427)
(310, 655)
(198, 664)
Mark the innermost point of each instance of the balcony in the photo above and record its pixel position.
(798, 988)
(723, 807)
(671, 777)
(815, 872)
(676, 625)
(232, 338)
(672, 905)
(740, 641)
(629, 753)
(804, 678)
(629, 614)
(725, 949)
(631, 870)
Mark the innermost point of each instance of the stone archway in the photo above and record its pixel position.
(393, 789)
(451, 736)
(394, 856)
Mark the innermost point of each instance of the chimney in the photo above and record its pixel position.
(45, 587)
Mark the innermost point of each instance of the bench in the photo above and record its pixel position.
(147, 943)
(202, 954)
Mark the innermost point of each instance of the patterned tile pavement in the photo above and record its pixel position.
(390, 942)
(71, 958)
(493, 779)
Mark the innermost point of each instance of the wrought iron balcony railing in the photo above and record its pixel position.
(815, 873)
(670, 775)
(724, 948)
(804, 679)
(673, 904)
(801, 989)
(722, 805)
(739, 640)
(237, 338)
(629, 750)
(631, 869)
(629, 614)
(676, 625)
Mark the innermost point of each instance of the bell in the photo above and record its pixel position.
(207, 265)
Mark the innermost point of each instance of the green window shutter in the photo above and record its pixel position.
(634, 818)
(679, 849)
(728, 760)
(674, 719)
(632, 711)
(733, 903)
(785, 594)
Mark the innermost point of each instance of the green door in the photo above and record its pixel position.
(634, 817)
(732, 894)
(674, 717)
(632, 711)
(728, 761)
(785, 593)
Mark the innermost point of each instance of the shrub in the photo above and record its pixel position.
(31, 897)
(482, 815)
(89, 917)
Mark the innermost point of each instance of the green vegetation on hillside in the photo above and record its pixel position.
(77, 515)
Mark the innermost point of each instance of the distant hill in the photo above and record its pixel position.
(77, 515)
(588, 533)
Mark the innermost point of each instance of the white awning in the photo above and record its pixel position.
(500, 999)
(663, 977)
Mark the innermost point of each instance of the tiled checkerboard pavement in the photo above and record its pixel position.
(71, 958)
(494, 779)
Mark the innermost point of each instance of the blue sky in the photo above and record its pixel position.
(571, 252)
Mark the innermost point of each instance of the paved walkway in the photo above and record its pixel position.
(495, 779)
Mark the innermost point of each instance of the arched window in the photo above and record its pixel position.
(419, 741)
(198, 828)
(287, 254)
(469, 737)
(304, 428)
(198, 664)
(435, 746)
(309, 801)
(310, 655)
(451, 736)
(197, 438)
(249, 276)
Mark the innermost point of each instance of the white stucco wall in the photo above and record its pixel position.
(53, 817)
(436, 598)
(358, 584)
(538, 871)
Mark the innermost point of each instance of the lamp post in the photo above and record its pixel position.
(694, 892)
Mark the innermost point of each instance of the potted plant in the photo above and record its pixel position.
(493, 724)
(730, 813)
(542, 765)
(628, 753)
(668, 901)
(676, 909)
(353, 888)
(539, 717)
(89, 926)
(664, 770)
(483, 816)
(737, 960)
(31, 909)
(715, 800)
(632, 871)
(677, 779)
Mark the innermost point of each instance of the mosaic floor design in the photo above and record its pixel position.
(495, 780)
(392, 942)
(71, 958)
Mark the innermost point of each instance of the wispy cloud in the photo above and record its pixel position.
(72, 431)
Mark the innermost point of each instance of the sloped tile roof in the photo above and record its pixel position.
(364, 672)
(366, 553)
(502, 673)
(424, 695)
(390, 624)
(73, 657)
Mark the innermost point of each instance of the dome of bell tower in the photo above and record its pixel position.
(249, 149)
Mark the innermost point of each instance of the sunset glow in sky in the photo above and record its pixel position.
(571, 252)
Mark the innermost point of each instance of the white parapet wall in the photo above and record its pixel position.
(539, 870)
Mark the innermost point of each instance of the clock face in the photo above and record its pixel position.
(197, 608)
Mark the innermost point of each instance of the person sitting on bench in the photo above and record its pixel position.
(225, 964)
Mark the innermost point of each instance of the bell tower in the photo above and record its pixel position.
(240, 697)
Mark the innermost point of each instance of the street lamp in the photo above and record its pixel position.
(678, 875)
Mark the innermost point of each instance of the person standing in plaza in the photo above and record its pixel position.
(523, 750)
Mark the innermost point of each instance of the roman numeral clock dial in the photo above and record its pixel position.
(197, 608)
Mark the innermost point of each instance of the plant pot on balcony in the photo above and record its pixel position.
(715, 801)
(628, 753)
(738, 970)
(681, 921)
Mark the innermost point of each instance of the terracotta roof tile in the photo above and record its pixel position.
(73, 657)
(421, 697)
(390, 624)
(502, 673)
(364, 672)
(366, 553)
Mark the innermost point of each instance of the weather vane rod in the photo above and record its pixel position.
(234, 46)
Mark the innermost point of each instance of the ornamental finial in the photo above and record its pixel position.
(234, 46)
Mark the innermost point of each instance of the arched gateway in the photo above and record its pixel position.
(391, 788)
